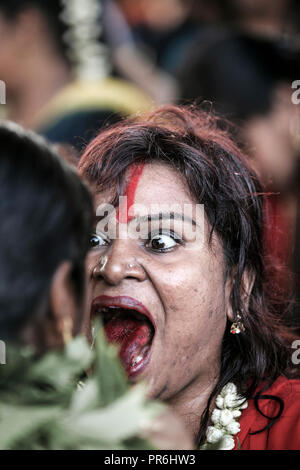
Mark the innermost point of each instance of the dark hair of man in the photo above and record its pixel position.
(46, 219)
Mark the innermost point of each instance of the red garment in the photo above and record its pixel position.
(277, 230)
(285, 433)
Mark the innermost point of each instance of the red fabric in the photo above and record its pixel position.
(285, 433)
(277, 232)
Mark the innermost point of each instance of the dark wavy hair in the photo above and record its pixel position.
(198, 146)
(46, 218)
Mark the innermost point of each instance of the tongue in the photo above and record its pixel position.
(132, 335)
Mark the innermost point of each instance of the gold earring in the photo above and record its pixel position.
(237, 326)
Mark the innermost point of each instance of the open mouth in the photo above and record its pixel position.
(128, 324)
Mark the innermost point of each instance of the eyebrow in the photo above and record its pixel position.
(156, 217)
(165, 216)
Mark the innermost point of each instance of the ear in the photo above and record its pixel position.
(245, 292)
(62, 302)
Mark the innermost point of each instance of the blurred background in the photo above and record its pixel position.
(72, 67)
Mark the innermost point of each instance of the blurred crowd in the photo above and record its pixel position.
(71, 67)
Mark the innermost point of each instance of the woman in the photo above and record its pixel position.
(192, 314)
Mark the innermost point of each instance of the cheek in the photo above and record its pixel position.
(195, 316)
(192, 287)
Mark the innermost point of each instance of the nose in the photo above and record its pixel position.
(119, 263)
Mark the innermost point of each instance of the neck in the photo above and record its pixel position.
(46, 75)
(191, 402)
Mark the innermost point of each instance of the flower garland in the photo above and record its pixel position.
(86, 52)
(225, 419)
(44, 407)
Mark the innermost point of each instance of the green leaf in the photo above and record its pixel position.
(17, 422)
(44, 406)
(119, 421)
(109, 373)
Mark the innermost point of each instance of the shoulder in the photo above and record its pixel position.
(282, 400)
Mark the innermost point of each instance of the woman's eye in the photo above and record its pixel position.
(162, 242)
(97, 240)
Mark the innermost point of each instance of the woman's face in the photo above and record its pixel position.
(176, 287)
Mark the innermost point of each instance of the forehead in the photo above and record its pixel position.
(161, 184)
(156, 184)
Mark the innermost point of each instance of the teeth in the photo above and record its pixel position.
(104, 310)
(138, 359)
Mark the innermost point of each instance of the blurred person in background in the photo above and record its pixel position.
(130, 60)
(262, 17)
(46, 218)
(164, 29)
(57, 70)
(249, 79)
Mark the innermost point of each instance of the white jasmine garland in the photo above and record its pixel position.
(227, 443)
(213, 434)
(225, 419)
(219, 401)
(236, 413)
(215, 417)
(89, 56)
(233, 427)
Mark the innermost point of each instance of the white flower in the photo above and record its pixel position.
(82, 38)
(230, 401)
(220, 402)
(227, 443)
(226, 417)
(244, 405)
(234, 401)
(229, 388)
(233, 427)
(215, 417)
(213, 434)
